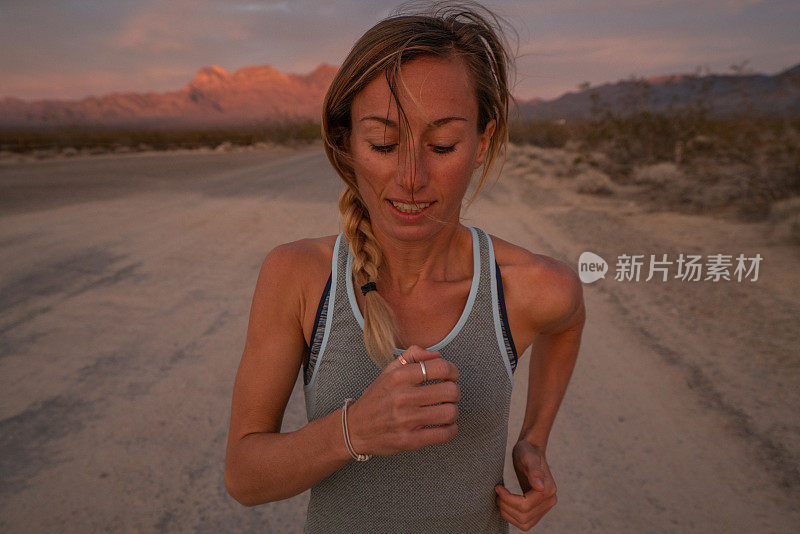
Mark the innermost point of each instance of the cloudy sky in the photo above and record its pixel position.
(73, 49)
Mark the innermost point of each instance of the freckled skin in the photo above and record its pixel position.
(424, 166)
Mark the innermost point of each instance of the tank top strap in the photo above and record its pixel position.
(325, 311)
(498, 314)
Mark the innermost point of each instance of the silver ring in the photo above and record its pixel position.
(424, 372)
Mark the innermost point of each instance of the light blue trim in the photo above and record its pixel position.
(473, 291)
(498, 330)
(329, 318)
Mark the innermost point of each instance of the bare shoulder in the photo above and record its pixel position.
(544, 291)
(299, 264)
(302, 267)
(307, 252)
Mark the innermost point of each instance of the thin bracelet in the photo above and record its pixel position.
(356, 456)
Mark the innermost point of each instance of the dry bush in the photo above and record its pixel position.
(658, 175)
(593, 182)
(683, 159)
(548, 134)
(100, 139)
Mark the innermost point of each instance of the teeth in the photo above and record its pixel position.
(410, 208)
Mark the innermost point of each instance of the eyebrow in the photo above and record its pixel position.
(393, 124)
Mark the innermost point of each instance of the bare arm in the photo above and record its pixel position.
(262, 464)
(557, 317)
(553, 355)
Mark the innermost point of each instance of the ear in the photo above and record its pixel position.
(483, 142)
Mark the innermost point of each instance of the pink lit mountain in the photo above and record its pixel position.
(213, 98)
(261, 94)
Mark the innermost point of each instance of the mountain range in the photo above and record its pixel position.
(722, 96)
(259, 94)
(214, 97)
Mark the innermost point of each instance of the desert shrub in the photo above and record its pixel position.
(593, 182)
(87, 137)
(746, 163)
(547, 134)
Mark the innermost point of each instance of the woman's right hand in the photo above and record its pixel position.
(391, 415)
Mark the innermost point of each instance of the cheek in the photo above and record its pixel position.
(372, 170)
(455, 171)
(367, 160)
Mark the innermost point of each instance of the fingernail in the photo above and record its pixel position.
(538, 481)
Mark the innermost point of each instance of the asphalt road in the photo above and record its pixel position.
(125, 293)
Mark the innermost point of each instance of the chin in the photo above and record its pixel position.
(417, 232)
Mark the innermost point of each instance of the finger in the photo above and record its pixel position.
(439, 414)
(393, 365)
(539, 478)
(537, 514)
(525, 520)
(521, 504)
(536, 482)
(509, 515)
(535, 474)
(542, 506)
(436, 369)
(436, 393)
(412, 355)
(538, 495)
(434, 435)
(415, 353)
(511, 518)
(511, 501)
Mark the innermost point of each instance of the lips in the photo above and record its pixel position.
(409, 215)
(409, 207)
(410, 201)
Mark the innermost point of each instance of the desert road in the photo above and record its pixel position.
(126, 287)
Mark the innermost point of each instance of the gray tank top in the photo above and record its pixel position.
(439, 488)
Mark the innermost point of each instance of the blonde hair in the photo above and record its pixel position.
(464, 29)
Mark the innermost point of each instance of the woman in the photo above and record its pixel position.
(418, 105)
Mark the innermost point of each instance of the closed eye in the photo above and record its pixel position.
(383, 149)
(438, 149)
(442, 149)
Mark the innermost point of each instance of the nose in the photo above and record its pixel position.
(412, 173)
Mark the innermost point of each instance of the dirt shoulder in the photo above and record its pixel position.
(736, 342)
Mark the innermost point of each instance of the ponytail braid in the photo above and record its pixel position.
(380, 324)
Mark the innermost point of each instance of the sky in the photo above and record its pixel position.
(61, 49)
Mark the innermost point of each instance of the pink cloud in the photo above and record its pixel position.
(177, 27)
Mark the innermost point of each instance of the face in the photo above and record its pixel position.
(434, 165)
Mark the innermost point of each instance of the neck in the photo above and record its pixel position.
(407, 264)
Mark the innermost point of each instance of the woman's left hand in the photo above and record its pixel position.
(538, 486)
